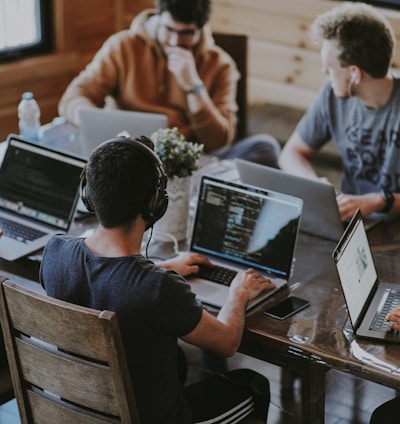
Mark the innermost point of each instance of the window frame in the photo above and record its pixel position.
(388, 4)
(46, 43)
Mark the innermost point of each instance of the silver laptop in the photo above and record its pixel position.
(320, 211)
(368, 301)
(238, 227)
(39, 188)
(98, 125)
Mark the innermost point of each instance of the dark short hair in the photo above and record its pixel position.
(366, 39)
(120, 179)
(186, 11)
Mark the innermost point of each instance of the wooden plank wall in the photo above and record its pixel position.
(284, 67)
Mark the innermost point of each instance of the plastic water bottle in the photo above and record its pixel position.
(29, 117)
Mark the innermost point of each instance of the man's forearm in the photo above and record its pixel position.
(233, 314)
(294, 163)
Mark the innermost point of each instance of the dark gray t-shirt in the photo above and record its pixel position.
(154, 307)
(368, 139)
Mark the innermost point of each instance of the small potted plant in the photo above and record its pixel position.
(180, 159)
(179, 156)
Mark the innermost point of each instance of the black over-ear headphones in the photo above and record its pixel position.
(153, 208)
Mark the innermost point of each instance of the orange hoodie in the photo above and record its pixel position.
(131, 68)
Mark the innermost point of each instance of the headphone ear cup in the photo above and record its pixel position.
(83, 192)
(156, 206)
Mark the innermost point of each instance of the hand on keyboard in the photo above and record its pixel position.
(252, 282)
(186, 263)
(394, 318)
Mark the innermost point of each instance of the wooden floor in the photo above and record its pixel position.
(349, 400)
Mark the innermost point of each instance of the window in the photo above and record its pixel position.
(391, 4)
(25, 28)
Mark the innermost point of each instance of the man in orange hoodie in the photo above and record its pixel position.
(167, 62)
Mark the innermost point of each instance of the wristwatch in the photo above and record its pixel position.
(195, 89)
(389, 199)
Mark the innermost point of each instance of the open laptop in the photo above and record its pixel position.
(320, 211)
(98, 125)
(238, 227)
(366, 298)
(39, 188)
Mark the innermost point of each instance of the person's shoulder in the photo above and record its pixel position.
(208, 48)
(62, 241)
(218, 60)
(327, 96)
(121, 37)
(162, 273)
(223, 57)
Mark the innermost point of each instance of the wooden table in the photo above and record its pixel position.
(320, 337)
(313, 341)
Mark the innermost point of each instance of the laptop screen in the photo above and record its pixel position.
(320, 215)
(246, 225)
(39, 183)
(356, 268)
(98, 125)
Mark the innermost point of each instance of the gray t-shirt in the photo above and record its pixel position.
(368, 139)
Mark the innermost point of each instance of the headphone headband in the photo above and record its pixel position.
(155, 206)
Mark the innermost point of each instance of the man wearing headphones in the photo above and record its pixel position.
(358, 108)
(125, 185)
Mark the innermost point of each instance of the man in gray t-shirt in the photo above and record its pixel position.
(358, 108)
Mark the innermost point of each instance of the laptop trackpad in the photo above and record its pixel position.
(209, 291)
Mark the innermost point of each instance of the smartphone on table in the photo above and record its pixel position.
(287, 307)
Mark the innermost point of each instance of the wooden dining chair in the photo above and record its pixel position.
(236, 46)
(67, 362)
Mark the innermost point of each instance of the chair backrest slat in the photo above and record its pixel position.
(43, 408)
(97, 393)
(88, 327)
(65, 360)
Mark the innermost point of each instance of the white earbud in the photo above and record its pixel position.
(353, 77)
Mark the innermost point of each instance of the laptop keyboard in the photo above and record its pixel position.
(19, 231)
(217, 274)
(392, 300)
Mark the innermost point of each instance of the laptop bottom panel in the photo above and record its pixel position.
(215, 294)
(15, 247)
(11, 249)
